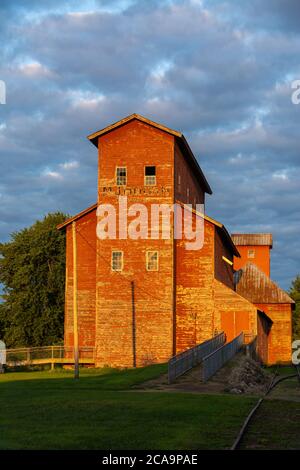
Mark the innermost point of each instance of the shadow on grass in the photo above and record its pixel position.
(102, 379)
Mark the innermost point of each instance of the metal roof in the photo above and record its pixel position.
(258, 288)
(253, 239)
(177, 135)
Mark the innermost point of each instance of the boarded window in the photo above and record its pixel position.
(150, 175)
(121, 176)
(251, 253)
(117, 260)
(152, 260)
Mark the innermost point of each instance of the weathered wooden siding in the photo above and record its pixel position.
(86, 281)
(184, 180)
(280, 337)
(263, 331)
(223, 270)
(135, 145)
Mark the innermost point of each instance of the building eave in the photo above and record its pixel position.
(77, 216)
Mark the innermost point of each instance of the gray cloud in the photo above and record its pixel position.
(220, 73)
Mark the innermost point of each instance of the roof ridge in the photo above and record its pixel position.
(77, 216)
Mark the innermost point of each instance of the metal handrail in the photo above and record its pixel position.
(215, 360)
(251, 348)
(51, 354)
(183, 362)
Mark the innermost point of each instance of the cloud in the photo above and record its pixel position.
(216, 70)
(47, 173)
(69, 165)
(35, 70)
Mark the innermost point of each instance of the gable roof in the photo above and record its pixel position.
(77, 216)
(179, 137)
(253, 239)
(258, 288)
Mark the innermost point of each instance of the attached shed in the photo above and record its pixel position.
(268, 297)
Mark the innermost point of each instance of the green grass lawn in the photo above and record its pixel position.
(282, 370)
(275, 426)
(50, 410)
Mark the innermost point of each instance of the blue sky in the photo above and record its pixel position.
(219, 71)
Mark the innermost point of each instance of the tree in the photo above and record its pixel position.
(32, 270)
(295, 294)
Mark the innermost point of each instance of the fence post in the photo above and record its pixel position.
(52, 357)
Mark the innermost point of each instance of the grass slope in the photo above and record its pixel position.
(275, 426)
(50, 410)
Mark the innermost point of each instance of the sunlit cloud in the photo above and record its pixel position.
(35, 70)
(55, 175)
(281, 175)
(69, 165)
(85, 99)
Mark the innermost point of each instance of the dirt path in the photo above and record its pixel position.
(192, 382)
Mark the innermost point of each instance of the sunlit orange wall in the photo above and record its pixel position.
(261, 258)
(280, 337)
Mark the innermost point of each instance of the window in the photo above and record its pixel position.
(121, 176)
(152, 260)
(150, 175)
(251, 253)
(117, 260)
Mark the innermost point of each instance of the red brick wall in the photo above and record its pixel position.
(135, 145)
(204, 305)
(261, 259)
(194, 299)
(86, 281)
(280, 337)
